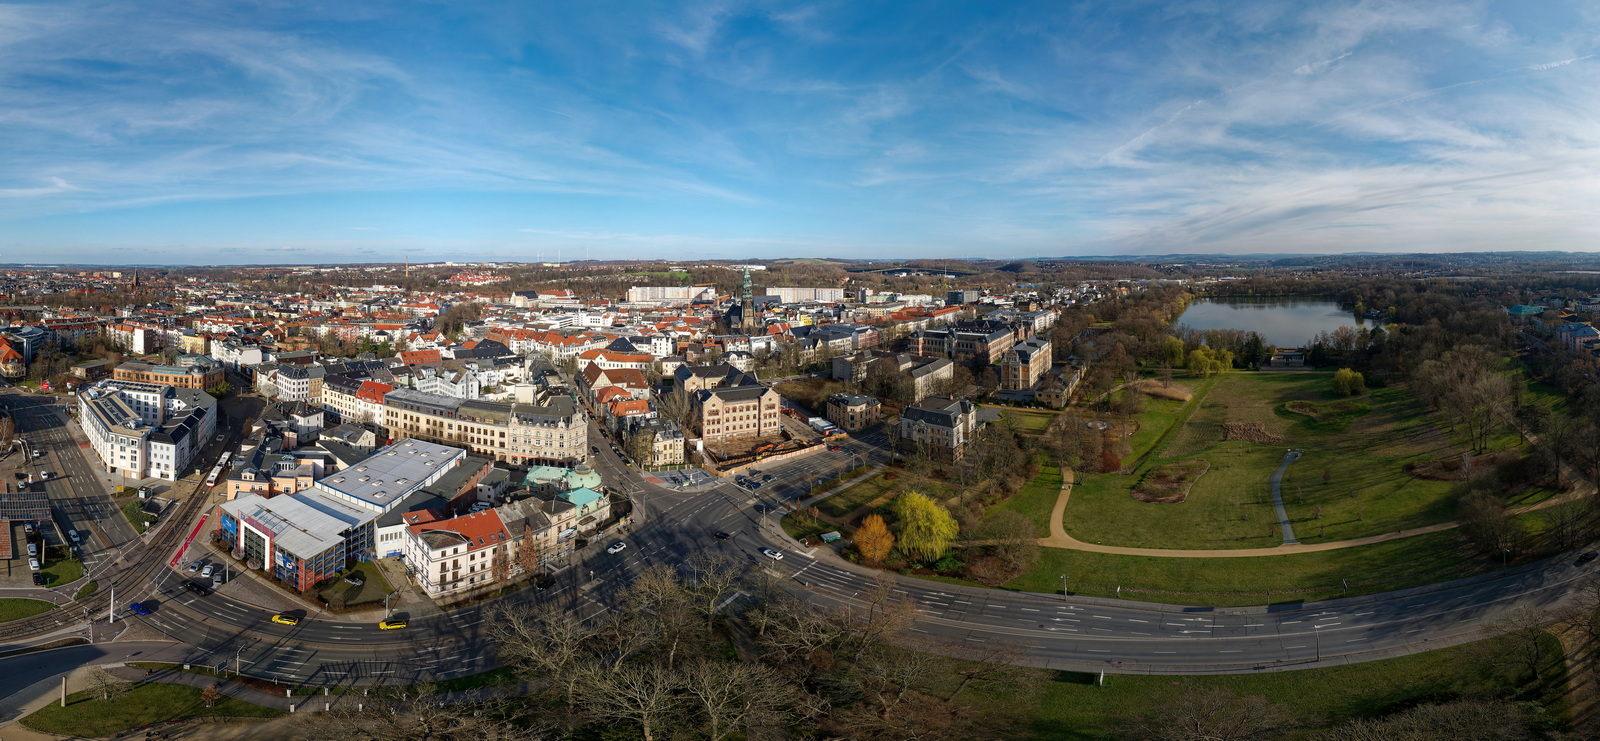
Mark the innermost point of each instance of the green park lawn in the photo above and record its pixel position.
(1223, 582)
(136, 518)
(58, 570)
(876, 490)
(17, 609)
(1036, 499)
(1069, 706)
(1026, 421)
(371, 591)
(87, 716)
(1362, 453)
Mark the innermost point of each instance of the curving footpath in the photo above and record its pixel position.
(1060, 539)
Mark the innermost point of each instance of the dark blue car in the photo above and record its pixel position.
(138, 609)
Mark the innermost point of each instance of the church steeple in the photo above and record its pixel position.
(747, 306)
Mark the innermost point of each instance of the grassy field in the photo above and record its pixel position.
(1036, 499)
(1026, 421)
(136, 518)
(878, 489)
(88, 716)
(87, 589)
(1068, 706)
(17, 609)
(1349, 482)
(58, 570)
(1406, 562)
(372, 590)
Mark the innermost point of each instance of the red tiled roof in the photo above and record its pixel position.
(373, 391)
(480, 529)
(417, 357)
(630, 408)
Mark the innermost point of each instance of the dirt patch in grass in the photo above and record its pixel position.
(1169, 483)
(1338, 411)
(1462, 468)
(1163, 390)
(1250, 432)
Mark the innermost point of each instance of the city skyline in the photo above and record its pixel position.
(281, 134)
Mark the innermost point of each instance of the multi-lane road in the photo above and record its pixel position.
(670, 526)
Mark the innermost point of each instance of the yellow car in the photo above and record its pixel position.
(392, 624)
(285, 619)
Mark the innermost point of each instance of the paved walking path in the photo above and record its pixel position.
(1060, 539)
(1277, 498)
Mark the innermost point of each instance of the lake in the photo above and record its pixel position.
(1285, 322)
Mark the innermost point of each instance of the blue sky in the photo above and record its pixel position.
(282, 132)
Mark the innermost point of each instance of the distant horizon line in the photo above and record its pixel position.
(1254, 256)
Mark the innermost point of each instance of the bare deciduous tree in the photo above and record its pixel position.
(730, 696)
(713, 576)
(646, 695)
(541, 641)
(1210, 713)
(419, 713)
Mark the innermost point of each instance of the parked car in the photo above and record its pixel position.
(33, 549)
(772, 554)
(206, 572)
(33, 564)
(616, 547)
(138, 608)
(1587, 557)
(194, 566)
(73, 534)
(355, 578)
(38, 580)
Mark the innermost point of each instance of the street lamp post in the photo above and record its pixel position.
(1317, 631)
(1063, 587)
(236, 655)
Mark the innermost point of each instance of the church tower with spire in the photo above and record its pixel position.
(747, 306)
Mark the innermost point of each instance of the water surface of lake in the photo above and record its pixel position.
(1285, 322)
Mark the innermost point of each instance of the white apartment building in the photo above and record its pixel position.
(146, 430)
(671, 295)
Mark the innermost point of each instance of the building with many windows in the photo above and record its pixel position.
(144, 429)
(1025, 364)
(302, 539)
(938, 427)
(197, 376)
(733, 404)
(852, 412)
(521, 433)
